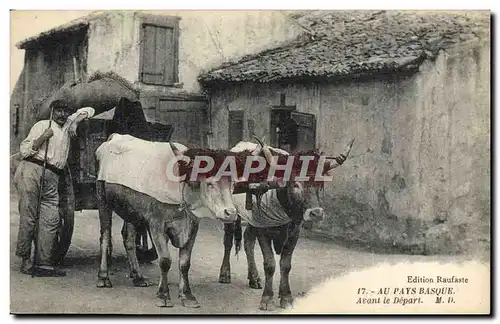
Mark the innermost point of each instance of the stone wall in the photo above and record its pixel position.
(206, 40)
(418, 177)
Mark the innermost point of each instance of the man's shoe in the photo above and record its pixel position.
(26, 266)
(49, 272)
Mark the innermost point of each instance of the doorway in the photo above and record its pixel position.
(283, 130)
(290, 130)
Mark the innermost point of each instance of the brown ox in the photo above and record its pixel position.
(299, 201)
(179, 224)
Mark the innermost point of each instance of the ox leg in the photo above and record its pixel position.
(105, 215)
(249, 244)
(266, 302)
(225, 269)
(185, 295)
(129, 235)
(285, 294)
(160, 241)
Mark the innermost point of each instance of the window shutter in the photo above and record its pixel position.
(306, 132)
(188, 119)
(251, 127)
(158, 59)
(236, 126)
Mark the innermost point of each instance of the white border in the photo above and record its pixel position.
(184, 4)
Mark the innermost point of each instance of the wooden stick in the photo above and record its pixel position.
(37, 219)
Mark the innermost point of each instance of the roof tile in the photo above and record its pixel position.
(356, 43)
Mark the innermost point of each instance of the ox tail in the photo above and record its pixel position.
(237, 235)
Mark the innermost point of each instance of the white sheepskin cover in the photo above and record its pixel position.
(139, 165)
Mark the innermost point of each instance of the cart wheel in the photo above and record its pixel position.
(67, 215)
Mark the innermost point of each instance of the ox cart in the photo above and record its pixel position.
(117, 111)
(297, 199)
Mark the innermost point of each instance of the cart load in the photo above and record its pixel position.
(102, 91)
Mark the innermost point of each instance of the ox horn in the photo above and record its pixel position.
(265, 149)
(339, 160)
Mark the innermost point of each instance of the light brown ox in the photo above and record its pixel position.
(166, 222)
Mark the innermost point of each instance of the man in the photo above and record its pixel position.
(28, 179)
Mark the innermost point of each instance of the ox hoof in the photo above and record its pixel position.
(163, 302)
(141, 282)
(225, 278)
(255, 283)
(286, 302)
(190, 302)
(266, 303)
(104, 283)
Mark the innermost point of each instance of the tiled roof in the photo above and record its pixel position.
(356, 43)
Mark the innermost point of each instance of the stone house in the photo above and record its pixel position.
(159, 53)
(413, 88)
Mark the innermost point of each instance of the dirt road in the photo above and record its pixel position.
(314, 261)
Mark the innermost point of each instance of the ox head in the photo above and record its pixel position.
(208, 197)
(303, 196)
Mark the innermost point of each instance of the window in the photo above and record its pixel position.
(251, 127)
(159, 51)
(236, 126)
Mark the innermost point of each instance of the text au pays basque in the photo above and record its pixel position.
(442, 293)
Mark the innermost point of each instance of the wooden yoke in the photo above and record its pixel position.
(257, 188)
